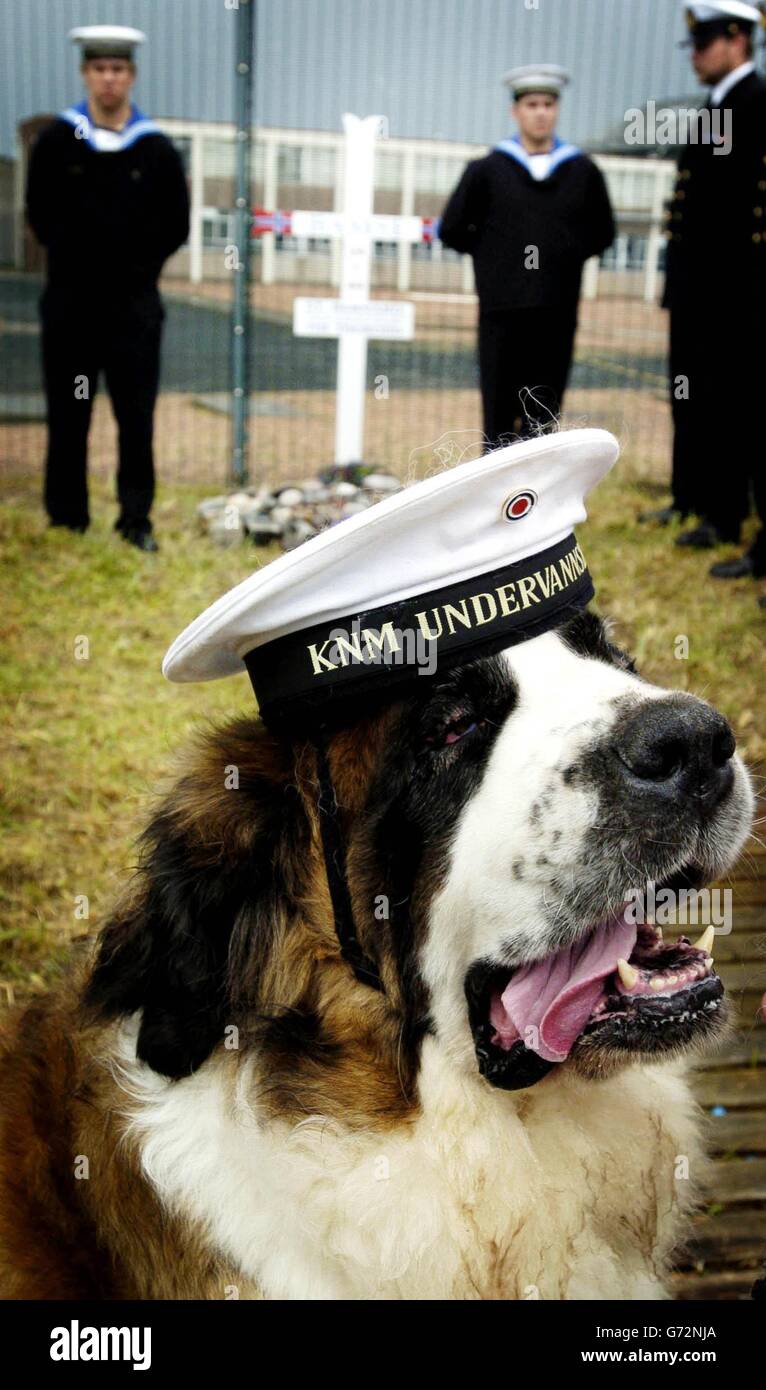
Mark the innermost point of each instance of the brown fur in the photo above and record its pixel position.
(104, 1236)
(107, 1236)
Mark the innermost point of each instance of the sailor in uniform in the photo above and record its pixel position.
(107, 197)
(530, 213)
(716, 292)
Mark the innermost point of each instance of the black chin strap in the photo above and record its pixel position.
(335, 863)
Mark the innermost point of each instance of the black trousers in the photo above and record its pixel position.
(524, 361)
(715, 394)
(121, 337)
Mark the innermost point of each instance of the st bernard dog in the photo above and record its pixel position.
(216, 1105)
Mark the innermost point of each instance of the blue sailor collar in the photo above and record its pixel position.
(136, 126)
(560, 153)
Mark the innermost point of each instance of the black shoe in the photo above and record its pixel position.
(741, 567)
(140, 537)
(703, 537)
(80, 527)
(663, 516)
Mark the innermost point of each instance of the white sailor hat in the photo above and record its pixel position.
(107, 40)
(720, 17)
(536, 77)
(474, 559)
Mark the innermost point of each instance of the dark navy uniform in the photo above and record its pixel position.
(501, 214)
(716, 292)
(109, 219)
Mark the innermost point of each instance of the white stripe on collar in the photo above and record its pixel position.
(730, 80)
(559, 154)
(121, 139)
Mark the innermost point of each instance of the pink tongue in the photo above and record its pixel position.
(556, 997)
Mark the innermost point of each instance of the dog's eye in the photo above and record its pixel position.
(454, 732)
(457, 731)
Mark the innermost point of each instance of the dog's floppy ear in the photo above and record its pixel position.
(167, 954)
(209, 881)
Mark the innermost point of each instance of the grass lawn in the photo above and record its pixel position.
(88, 741)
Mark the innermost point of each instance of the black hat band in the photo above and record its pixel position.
(378, 650)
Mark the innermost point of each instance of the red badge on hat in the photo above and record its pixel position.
(519, 505)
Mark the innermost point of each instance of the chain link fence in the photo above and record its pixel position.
(432, 73)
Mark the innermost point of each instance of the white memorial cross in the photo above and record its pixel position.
(354, 317)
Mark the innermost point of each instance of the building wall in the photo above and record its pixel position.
(433, 67)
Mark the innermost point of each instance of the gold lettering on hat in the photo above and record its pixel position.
(386, 634)
(424, 628)
(319, 662)
(504, 593)
(353, 646)
(555, 579)
(512, 597)
(475, 599)
(526, 585)
(454, 614)
(567, 568)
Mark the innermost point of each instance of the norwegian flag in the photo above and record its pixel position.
(265, 221)
(282, 223)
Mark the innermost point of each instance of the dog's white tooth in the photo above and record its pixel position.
(627, 973)
(709, 962)
(658, 931)
(705, 942)
(657, 984)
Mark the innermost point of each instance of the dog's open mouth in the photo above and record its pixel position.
(619, 990)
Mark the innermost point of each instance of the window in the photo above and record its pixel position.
(217, 227)
(289, 164)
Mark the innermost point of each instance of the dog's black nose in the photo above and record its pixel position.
(677, 747)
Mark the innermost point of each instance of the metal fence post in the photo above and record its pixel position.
(240, 317)
(196, 271)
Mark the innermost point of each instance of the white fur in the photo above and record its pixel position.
(566, 702)
(566, 1191)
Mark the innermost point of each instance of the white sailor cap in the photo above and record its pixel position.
(724, 17)
(537, 77)
(107, 40)
(464, 563)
